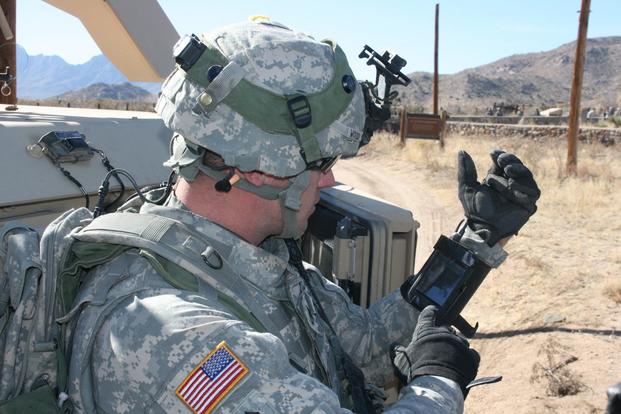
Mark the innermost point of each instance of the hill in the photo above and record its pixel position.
(533, 79)
(121, 92)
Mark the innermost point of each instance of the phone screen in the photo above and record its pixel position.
(440, 281)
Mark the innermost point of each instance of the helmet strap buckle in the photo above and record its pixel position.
(300, 111)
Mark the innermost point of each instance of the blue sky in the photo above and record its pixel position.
(472, 32)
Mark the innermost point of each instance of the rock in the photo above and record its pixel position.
(552, 112)
(551, 319)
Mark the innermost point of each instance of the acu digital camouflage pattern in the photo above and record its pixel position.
(138, 337)
(30, 269)
(280, 60)
(19, 282)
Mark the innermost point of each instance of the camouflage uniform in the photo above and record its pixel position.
(138, 337)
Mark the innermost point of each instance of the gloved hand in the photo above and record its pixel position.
(502, 204)
(435, 350)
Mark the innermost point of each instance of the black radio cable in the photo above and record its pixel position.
(166, 185)
(105, 186)
(75, 181)
(109, 167)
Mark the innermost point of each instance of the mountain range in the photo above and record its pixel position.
(532, 79)
(42, 76)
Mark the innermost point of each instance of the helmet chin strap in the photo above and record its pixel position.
(290, 201)
(290, 198)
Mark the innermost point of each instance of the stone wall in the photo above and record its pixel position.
(607, 136)
(523, 120)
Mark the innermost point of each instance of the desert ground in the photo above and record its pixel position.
(550, 316)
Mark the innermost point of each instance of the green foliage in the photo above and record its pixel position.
(616, 120)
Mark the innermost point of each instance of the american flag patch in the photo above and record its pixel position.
(211, 380)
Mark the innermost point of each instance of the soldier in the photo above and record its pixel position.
(260, 114)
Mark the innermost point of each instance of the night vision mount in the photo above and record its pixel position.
(388, 67)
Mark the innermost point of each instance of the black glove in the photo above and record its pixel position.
(435, 350)
(502, 204)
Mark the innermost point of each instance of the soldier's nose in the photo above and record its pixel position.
(326, 179)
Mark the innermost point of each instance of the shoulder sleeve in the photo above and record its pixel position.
(178, 354)
(429, 394)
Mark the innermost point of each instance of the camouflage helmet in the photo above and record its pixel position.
(263, 97)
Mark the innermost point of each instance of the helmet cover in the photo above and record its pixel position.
(273, 63)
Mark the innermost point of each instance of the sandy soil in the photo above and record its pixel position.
(544, 306)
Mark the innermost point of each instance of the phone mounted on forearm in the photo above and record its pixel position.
(448, 280)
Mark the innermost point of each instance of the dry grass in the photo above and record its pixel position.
(613, 291)
(593, 191)
(559, 380)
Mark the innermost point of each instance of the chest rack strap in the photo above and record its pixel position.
(198, 255)
(299, 114)
(360, 396)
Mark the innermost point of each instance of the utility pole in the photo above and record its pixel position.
(436, 89)
(576, 90)
(8, 60)
(436, 92)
